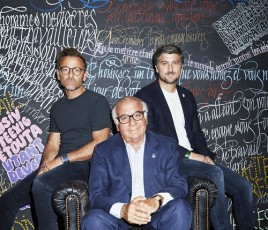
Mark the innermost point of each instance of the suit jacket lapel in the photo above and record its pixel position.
(150, 155)
(164, 106)
(123, 163)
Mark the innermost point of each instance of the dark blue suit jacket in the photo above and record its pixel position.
(160, 118)
(110, 173)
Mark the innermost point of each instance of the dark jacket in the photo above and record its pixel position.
(160, 118)
(110, 173)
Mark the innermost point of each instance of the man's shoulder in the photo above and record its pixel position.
(88, 98)
(160, 138)
(94, 100)
(58, 102)
(182, 89)
(94, 95)
(112, 140)
(147, 89)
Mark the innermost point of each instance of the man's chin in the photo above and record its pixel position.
(170, 82)
(71, 88)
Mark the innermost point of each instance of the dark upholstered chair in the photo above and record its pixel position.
(70, 200)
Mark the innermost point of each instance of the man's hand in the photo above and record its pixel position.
(202, 158)
(136, 214)
(50, 165)
(152, 204)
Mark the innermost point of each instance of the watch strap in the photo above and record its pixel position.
(64, 158)
(159, 199)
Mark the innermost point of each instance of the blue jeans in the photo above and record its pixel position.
(176, 214)
(231, 183)
(37, 191)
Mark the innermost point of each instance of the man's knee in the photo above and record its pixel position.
(38, 185)
(182, 208)
(177, 213)
(248, 186)
(178, 209)
(94, 219)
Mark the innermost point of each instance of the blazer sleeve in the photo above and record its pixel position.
(107, 184)
(197, 137)
(176, 183)
(98, 183)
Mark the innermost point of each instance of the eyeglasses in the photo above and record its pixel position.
(124, 119)
(66, 70)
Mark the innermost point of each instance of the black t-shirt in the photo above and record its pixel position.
(76, 119)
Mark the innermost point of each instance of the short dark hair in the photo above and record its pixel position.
(167, 49)
(69, 52)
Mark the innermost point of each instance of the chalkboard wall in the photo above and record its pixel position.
(225, 44)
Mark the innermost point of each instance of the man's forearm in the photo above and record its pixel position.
(86, 151)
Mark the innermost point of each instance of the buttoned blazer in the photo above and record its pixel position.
(160, 119)
(110, 174)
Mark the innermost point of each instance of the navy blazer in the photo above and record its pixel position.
(160, 118)
(110, 173)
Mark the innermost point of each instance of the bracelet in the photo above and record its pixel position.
(64, 158)
(187, 155)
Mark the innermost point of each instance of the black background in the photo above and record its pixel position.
(225, 45)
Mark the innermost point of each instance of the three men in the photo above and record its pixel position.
(120, 195)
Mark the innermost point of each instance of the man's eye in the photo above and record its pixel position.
(77, 70)
(137, 115)
(123, 118)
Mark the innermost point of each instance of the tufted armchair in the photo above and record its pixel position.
(70, 200)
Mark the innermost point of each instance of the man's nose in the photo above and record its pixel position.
(170, 68)
(132, 121)
(71, 74)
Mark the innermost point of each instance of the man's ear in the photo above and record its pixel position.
(58, 74)
(85, 76)
(156, 68)
(117, 127)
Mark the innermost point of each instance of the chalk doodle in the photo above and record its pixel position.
(243, 25)
(225, 47)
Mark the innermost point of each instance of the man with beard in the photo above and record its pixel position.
(173, 112)
(78, 121)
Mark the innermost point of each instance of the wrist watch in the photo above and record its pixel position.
(159, 198)
(64, 158)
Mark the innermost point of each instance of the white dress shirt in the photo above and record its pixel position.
(136, 166)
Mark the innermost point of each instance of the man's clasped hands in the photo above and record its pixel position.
(139, 210)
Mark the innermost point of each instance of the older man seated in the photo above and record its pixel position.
(135, 177)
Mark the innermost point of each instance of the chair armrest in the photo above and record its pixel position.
(201, 196)
(70, 200)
